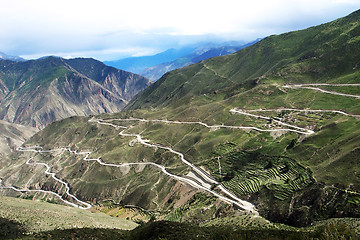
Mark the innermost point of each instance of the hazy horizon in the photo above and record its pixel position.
(110, 30)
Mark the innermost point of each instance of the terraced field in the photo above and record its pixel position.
(283, 176)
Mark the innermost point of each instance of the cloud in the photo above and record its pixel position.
(98, 27)
(97, 53)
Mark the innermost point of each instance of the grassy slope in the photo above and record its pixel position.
(39, 216)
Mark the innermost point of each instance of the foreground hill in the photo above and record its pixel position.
(272, 130)
(24, 219)
(38, 216)
(38, 92)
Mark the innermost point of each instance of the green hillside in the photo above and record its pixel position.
(273, 129)
(289, 167)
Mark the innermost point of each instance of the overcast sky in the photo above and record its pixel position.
(111, 29)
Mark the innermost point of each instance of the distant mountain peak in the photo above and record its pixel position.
(4, 56)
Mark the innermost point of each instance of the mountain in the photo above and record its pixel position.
(199, 54)
(138, 64)
(318, 54)
(37, 92)
(267, 135)
(4, 56)
(307, 79)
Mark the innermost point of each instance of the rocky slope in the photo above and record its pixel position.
(38, 92)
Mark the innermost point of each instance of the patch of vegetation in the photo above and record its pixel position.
(131, 213)
(199, 208)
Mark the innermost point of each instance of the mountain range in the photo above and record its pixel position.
(260, 144)
(138, 64)
(153, 67)
(197, 55)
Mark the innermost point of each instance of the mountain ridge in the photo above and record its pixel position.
(153, 67)
(281, 76)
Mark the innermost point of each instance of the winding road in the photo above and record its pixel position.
(47, 171)
(234, 110)
(234, 200)
(205, 180)
(314, 86)
(292, 128)
(303, 110)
